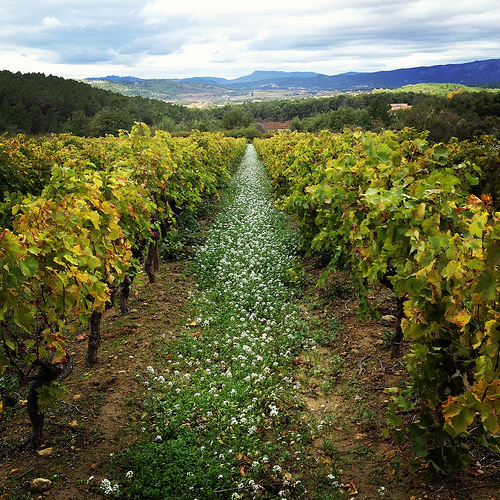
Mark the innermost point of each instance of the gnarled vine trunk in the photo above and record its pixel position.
(152, 262)
(122, 292)
(397, 336)
(46, 374)
(94, 337)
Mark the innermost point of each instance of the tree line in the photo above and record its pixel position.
(462, 114)
(38, 104)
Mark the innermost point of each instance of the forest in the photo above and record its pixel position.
(38, 104)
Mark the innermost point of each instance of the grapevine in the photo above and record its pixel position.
(402, 213)
(74, 212)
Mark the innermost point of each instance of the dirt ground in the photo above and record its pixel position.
(366, 459)
(97, 418)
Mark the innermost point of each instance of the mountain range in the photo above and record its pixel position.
(470, 74)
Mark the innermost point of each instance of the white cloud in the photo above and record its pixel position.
(172, 38)
(197, 9)
(51, 22)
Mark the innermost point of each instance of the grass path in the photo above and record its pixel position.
(222, 416)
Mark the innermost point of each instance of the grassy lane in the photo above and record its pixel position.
(223, 419)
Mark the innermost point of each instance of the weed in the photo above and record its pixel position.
(222, 418)
(338, 289)
(329, 448)
(387, 338)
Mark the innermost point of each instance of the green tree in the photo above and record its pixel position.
(167, 124)
(79, 124)
(296, 125)
(236, 117)
(379, 112)
(110, 121)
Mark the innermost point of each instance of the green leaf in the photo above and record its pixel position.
(29, 266)
(403, 403)
(419, 446)
(491, 423)
(415, 465)
(464, 418)
(440, 153)
(474, 181)
(493, 253)
(486, 286)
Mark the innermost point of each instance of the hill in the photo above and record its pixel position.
(266, 85)
(470, 74)
(162, 89)
(37, 104)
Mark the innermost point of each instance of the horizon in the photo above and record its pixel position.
(257, 71)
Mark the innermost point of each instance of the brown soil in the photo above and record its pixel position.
(276, 125)
(97, 418)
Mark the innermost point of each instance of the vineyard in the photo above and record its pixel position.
(88, 213)
(252, 374)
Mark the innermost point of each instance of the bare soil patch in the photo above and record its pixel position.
(366, 460)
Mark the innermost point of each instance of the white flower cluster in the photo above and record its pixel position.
(109, 488)
(251, 328)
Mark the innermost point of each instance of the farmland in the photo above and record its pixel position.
(231, 374)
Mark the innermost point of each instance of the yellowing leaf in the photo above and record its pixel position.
(77, 250)
(419, 212)
(59, 355)
(462, 318)
(83, 277)
(106, 208)
(94, 218)
(457, 416)
(114, 230)
(426, 270)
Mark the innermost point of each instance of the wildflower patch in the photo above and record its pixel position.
(222, 412)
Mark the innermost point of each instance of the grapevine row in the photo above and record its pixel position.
(74, 237)
(410, 215)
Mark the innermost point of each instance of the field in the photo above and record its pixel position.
(234, 376)
(104, 409)
(244, 369)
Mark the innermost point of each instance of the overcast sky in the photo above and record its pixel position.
(231, 38)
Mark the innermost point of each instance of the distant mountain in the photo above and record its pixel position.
(292, 83)
(114, 78)
(256, 77)
(203, 79)
(265, 76)
(473, 73)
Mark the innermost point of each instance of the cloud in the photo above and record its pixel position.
(166, 38)
(51, 22)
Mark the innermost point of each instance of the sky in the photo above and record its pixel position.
(231, 38)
